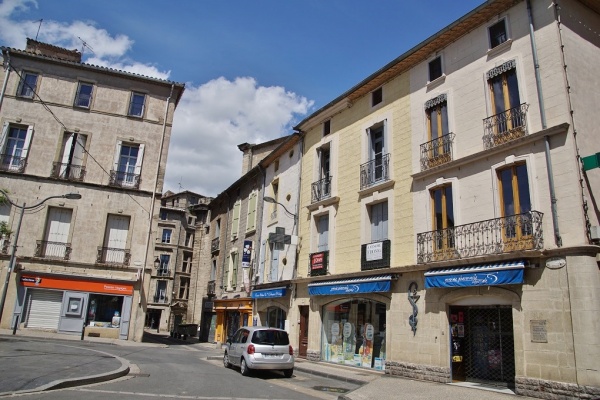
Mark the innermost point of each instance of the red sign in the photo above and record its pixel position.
(56, 282)
(317, 261)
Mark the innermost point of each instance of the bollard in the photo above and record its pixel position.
(16, 325)
(83, 331)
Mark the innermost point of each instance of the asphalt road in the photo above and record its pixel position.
(183, 372)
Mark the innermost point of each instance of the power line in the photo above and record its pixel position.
(47, 108)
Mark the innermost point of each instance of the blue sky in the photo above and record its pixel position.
(252, 69)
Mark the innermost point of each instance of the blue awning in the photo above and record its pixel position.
(506, 273)
(370, 284)
(268, 293)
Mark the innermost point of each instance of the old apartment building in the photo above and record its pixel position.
(448, 208)
(101, 137)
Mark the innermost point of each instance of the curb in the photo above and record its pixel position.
(85, 380)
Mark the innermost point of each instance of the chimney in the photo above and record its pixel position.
(48, 50)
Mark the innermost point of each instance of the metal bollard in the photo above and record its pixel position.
(83, 331)
(16, 325)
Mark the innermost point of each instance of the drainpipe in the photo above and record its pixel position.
(5, 78)
(538, 84)
(297, 221)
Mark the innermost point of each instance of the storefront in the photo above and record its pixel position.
(231, 315)
(354, 322)
(480, 327)
(271, 307)
(66, 304)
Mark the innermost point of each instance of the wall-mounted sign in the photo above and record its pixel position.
(374, 251)
(247, 254)
(317, 262)
(539, 332)
(556, 263)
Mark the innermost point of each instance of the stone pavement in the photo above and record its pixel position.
(26, 365)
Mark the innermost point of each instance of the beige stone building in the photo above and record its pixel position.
(70, 127)
(449, 215)
(175, 297)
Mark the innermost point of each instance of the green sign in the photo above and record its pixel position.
(591, 162)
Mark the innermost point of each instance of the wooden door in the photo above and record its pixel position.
(303, 339)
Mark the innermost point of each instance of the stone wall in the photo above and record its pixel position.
(554, 390)
(420, 372)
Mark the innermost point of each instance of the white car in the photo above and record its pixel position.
(259, 347)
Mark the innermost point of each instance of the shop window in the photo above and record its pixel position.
(104, 311)
(276, 317)
(354, 333)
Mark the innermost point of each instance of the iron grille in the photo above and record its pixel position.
(321, 189)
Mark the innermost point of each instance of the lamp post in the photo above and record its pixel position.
(272, 200)
(11, 263)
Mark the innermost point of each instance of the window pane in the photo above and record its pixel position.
(435, 69)
(437, 209)
(507, 192)
(513, 88)
(137, 104)
(523, 184)
(497, 34)
(449, 207)
(85, 95)
(499, 106)
(444, 118)
(28, 86)
(434, 123)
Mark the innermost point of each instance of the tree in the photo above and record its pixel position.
(4, 229)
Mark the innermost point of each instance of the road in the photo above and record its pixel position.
(184, 372)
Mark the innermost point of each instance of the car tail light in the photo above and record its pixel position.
(250, 349)
(291, 350)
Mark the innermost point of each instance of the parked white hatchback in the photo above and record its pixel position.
(259, 347)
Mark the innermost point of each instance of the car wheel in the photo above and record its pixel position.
(244, 368)
(226, 362)
(288, 372)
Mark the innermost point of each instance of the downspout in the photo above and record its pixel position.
(297, 221)
(5, 78)
(538, 85)
(260, 218)
(152, 199)
(225, 241)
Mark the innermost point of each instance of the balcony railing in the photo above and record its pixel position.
(505, 127)
(214, 245)
(67, 171)
(124, 179)
(375, 171)
(113, 256)
(161, 299)
(321, 189)
(11, 163)
(493, 236)
(437, 152)
(162, 272)
(210, 288)
(54, 250)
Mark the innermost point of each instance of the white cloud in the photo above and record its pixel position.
(213, 118)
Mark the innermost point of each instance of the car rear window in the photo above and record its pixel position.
(272, 337)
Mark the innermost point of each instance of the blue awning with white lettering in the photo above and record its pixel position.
(381, 283)
(506, 273)
(268, 293)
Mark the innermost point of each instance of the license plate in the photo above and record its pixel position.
(271, 355)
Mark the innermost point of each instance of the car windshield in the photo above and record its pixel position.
(272, 337)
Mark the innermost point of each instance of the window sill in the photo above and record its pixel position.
(436, 82)
(500, 48)
(323, 203)
(377, 187)
(251, 231)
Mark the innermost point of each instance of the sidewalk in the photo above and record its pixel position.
(36, 366)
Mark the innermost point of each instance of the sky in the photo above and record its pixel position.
(253, 69)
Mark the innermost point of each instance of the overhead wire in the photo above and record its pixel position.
(47, 108)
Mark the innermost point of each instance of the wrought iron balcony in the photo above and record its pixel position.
(437, 152)
(4, 244)
(210, 288)
(11, 163)
(321, 189)
(505, 127)
(161, 299)
(162, 272)
(124, 179)
(68, 172)
(214, 245)
(493, 236)
(53, 250)
(113, 256)
(375, 171)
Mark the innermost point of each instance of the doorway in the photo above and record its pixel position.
(303, 339)
(482, 345)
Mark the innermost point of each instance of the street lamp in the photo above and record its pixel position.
(11, 263)
(272, 200)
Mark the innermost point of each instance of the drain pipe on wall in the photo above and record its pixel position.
(7, 62)
(538, 85)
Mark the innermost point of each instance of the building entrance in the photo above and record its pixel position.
(482, 345)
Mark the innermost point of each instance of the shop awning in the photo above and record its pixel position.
(268, 293)
(380, 283)
(505, 273)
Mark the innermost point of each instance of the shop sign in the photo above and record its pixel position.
(268, 293)
(57, 282)
(374, 251)
(317, 261)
